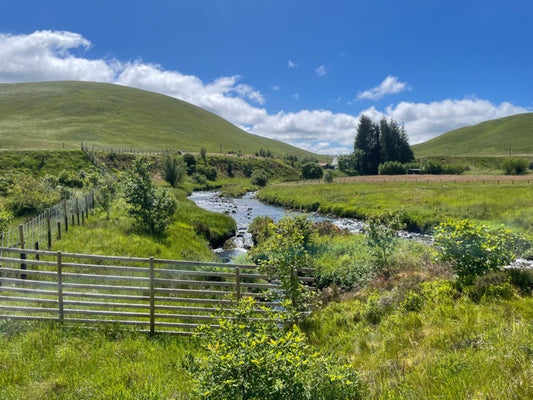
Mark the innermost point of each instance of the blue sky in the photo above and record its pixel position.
(297, 71)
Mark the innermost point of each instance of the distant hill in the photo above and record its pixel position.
(57, 115)
(510, 135)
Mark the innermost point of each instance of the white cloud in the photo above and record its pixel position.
(321, 71)
(390, 85)
(292, 64)
(275, 88)
(47, 55)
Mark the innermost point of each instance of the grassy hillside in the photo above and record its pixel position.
(57, 115)
(504, 136)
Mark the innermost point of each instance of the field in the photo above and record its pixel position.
(424, 201)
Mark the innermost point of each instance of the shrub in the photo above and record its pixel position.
(5, 219)
(491, 285)
(455, 169)
(259, 177)
(261, 228)
(392, 168)
(209, 172)
(151, 208)
(521, 278)
(476, 250)
(190, 161)
(515, 166)
(255, 358)
(311, 170)
(382, 236)
(432, 167)
(174, 169)
(328, 176)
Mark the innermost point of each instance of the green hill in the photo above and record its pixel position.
(504, 136)
(57, 115)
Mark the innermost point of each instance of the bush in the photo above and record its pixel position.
(190, 161)
(521, 278)
(259, 177)
(312, 170)
(392, 168)
(455, 169)
(255, 358)
(209, 172)
(5, 219)
(328, 176)
(476, 250)
(382, 236)
(432, 167)
(489, 286)
(151, 208)
(174, 169)
(515, 166)
(261, 228)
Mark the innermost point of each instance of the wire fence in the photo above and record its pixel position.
(50, 224)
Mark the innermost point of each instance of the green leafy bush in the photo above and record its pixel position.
(515, 166)
(475, 250)
(152, 208)
(261, 228)
(392, 168)
(173, 169)
(311, 170)
(382, 236)
(259, 177)
(251, 356)
(328, 176)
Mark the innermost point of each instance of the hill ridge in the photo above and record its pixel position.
(62, 114)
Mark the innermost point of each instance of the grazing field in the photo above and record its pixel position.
(424, 201)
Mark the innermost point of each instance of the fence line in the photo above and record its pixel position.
(154, 295)
(49, 225)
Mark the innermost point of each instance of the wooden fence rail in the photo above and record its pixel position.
(155, 295)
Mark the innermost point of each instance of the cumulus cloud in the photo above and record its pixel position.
(321, 71)
(390, 85)
(48, 55)
(292, 64)
(45, 55)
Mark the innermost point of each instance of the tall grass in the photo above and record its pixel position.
(423, 205)
(47, 361)
(422, 341)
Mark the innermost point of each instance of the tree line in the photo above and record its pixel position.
(375, 144)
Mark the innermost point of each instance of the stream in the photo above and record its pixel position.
(244, 209)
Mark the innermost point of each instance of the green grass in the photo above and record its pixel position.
(504, 136)
(58, 115)
(47, 361)
(43, 162)
(427, 341)
(423, 204)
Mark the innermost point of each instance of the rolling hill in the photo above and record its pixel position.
(504, 136)
(61, 115)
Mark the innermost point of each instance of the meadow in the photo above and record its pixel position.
(422, 204)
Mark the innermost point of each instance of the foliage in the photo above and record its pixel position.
(209, 172)
(475, 250)
(352, 164)
(259, 177)
(203, 153)
(106, 193)
(255, 358)
(190, 162)
(392, 168)
(311, 170)
(380, 143)
(151, 207)
(287, 254)
(515, 166)
(382, 235)
(261, 228)
(328, 176)
(28, 195)
(174, 169)
(229, 169)
(5, 219)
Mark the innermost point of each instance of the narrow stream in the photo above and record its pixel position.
(244, 209)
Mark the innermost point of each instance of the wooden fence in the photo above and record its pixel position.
(153, 295)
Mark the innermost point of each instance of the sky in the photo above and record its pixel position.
(298, 71)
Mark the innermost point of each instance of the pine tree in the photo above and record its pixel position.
(367, 140)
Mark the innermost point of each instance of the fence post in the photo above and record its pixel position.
(152, 297)
(22, 255)
(78, 211)
(49, 229)
(65, 216)
(238, 283)
(60, 286)
(59, 231)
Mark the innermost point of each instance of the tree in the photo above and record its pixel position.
(382, 236)
(367, 141)
(174, 169)
(312, 170)
(190, 161)
(152, 208)
(203, 152)
(259, 177)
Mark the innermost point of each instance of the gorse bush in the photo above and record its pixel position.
(475, 250)
(252, 356)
